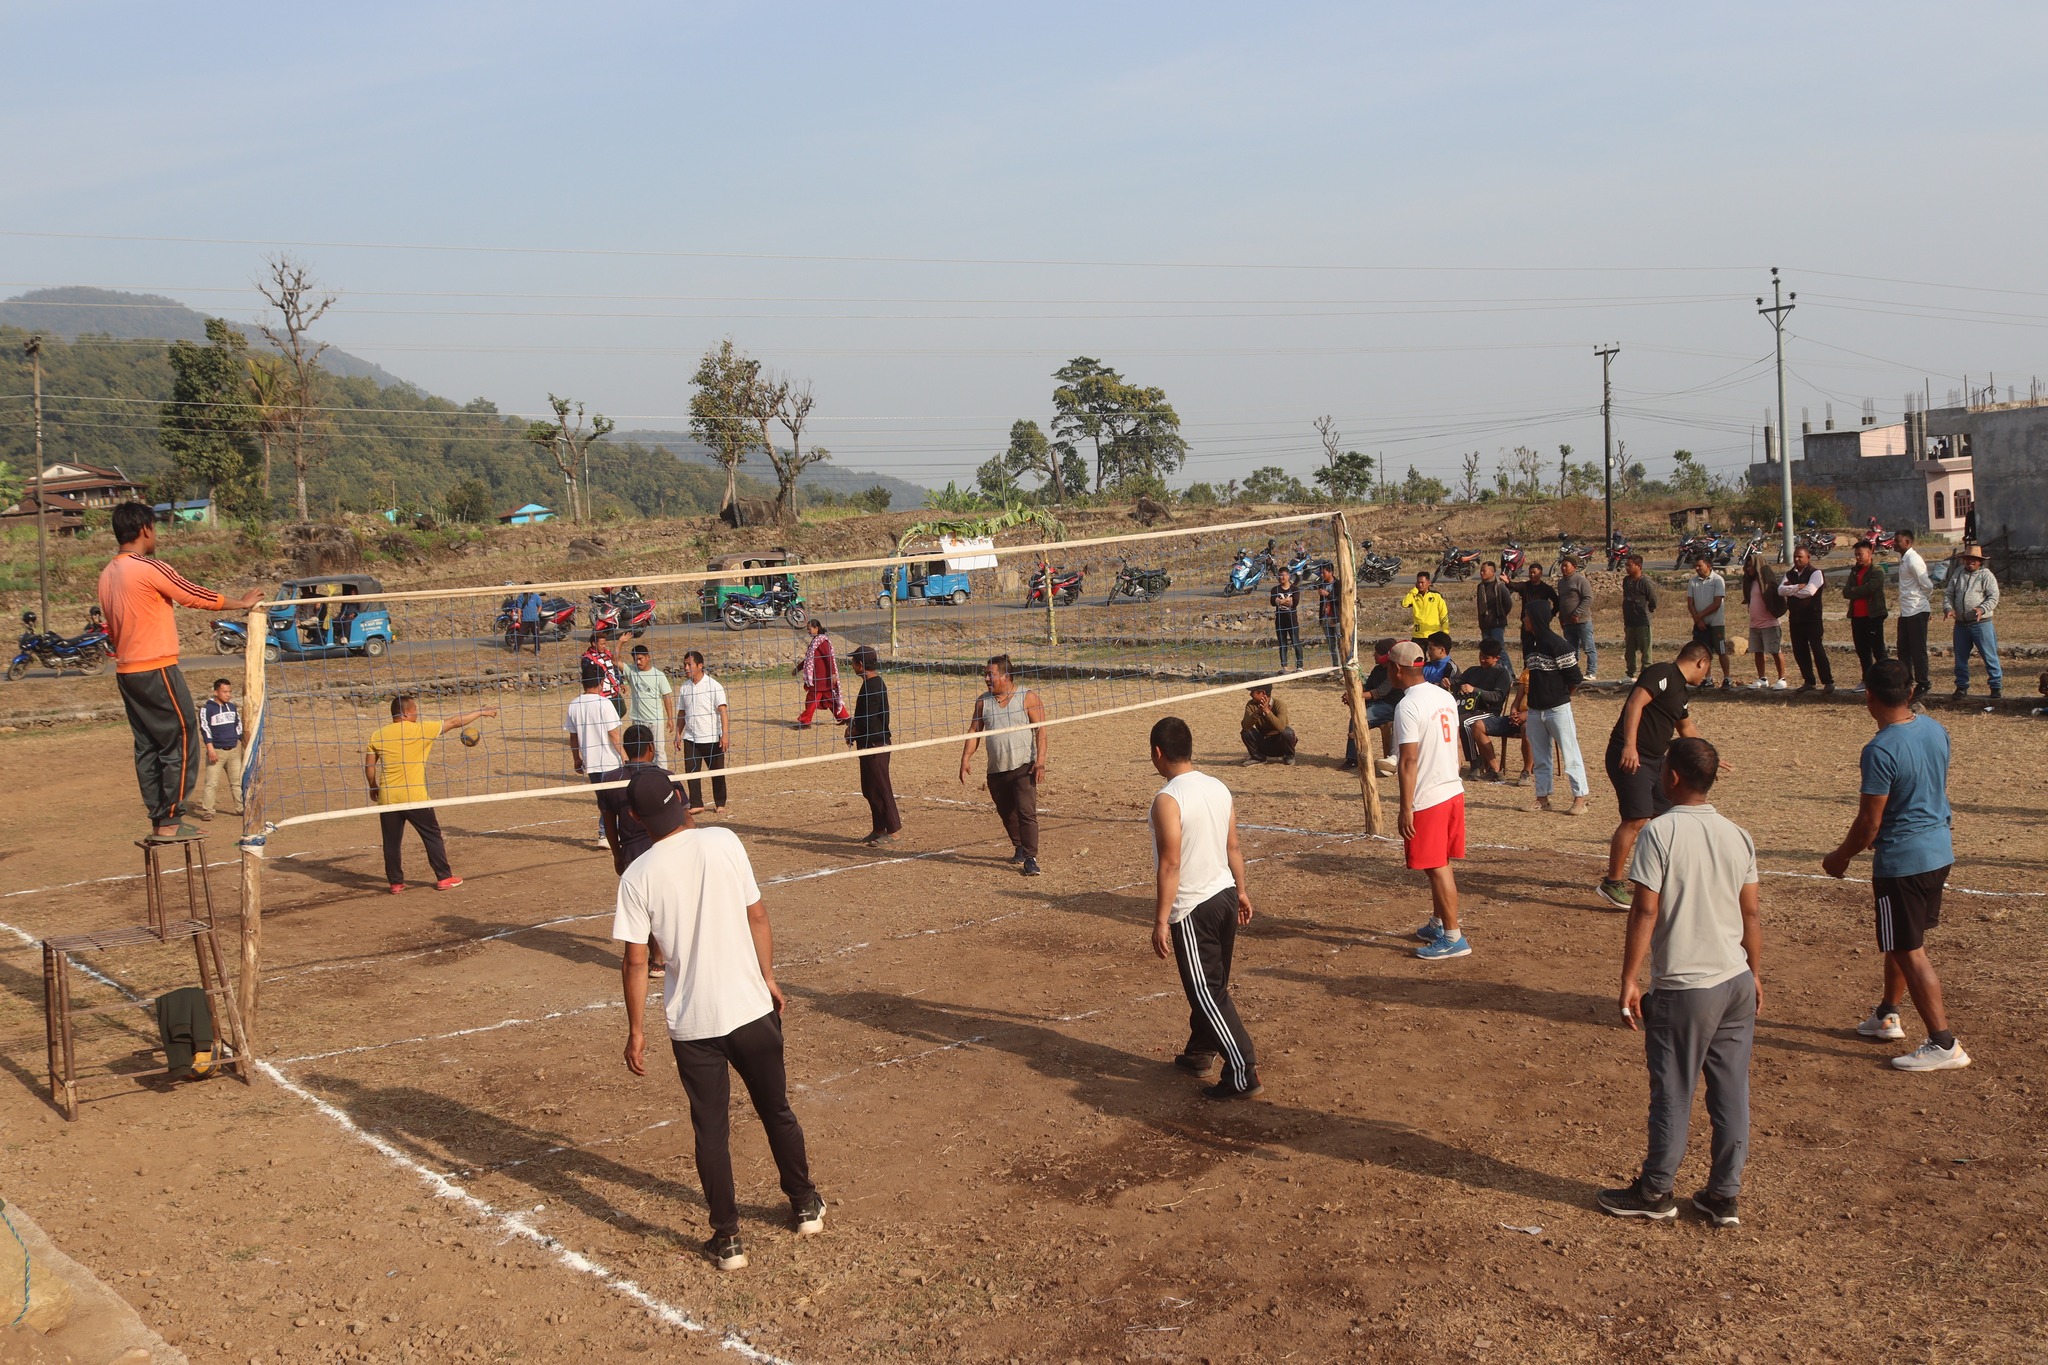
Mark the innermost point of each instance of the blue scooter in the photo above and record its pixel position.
(1247, 571)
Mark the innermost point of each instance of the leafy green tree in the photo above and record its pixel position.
(1130, 428)
(11, 485)
(1073, 476)
(995, 478)
(1030, 453)
(872, 499)
(1348, 477)
(207, 427)
(1199, 495)
(469, 501)
(721, 409)
(1418, 487)
(1271, 483)
(953, 498)
(1689, 478)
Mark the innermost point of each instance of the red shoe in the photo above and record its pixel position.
(447, 883)
(397, 887)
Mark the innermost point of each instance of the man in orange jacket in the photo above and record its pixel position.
(137, 594)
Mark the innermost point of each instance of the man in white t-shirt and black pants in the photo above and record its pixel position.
(694, 893)
(595, 731)
(1199, 903)
(1432, 798)
(701, 729)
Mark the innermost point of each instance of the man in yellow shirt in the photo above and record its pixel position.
(395, 766)
(1427, 608)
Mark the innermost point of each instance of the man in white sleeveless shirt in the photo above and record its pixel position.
(1199, 904)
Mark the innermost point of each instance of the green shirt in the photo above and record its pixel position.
(645, 687)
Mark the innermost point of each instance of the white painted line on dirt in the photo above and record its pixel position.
(473, 1171)
(516, 1224)
(32, 941)
(457, 1033)
(954, 1046)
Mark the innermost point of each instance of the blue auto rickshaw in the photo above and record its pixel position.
(933, 580)
(334, 617)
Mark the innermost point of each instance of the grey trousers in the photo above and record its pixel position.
(1713, 1030)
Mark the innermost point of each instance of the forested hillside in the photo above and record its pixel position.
(381, 446)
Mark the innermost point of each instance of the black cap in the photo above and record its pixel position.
(593, 673)
(657, 803)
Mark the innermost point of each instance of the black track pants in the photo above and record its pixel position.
(1202, 947)
(755, 1051)
(169, 752)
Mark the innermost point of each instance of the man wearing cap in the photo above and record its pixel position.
(647, 701)
(1264, 729)
(1575, 613)
(869, 731)
(594, 729)
(1971, 599)
(693, 894)
(1432, 819)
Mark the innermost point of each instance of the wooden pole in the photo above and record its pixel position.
(1052, 628)
(1354, 690)
(258, 626)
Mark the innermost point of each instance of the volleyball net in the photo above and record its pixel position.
(1128, 623)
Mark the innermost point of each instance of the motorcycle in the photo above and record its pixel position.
(1134, 584)
(1514, 561)
(1066, 587)
(557, 620)
(1817, 542)
(1247, 571)
(1718, 549)
(1306, 567)
(1567, 546)
(743, 612)
(1618, 551)
(622, 611)
(86, 652)
(1877, 538)
(1456, 563)
(1374, 569)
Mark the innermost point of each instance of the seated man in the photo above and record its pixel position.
(1264, 729)
(1382, 694)
(1437, 667)
(1483, 691)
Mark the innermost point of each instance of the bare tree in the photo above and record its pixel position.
(1333, 440)
(299, 303)
(1469, 490)
(792, 409)
(568, 446)
(1564, 470)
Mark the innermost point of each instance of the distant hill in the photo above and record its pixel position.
(79, 310)
(903, 495)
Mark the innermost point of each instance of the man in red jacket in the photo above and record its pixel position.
(137, 594)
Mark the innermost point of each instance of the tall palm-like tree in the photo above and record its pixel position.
(270, 403)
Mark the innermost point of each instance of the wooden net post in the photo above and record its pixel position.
(892, 580)
(1354, 690)
(252, 826)
(1052, 628)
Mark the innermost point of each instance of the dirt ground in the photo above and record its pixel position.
(445, 1158)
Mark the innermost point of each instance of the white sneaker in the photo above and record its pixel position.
(1759, 683)
(1780, 685)
(1386, 767)
(1882, 1023)
(1929, 1057)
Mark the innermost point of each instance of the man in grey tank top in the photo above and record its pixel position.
(1013, 721)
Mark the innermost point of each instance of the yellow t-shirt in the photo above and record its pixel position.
(401, 749)
(1429, 611)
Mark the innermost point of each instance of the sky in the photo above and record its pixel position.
(1420, 220)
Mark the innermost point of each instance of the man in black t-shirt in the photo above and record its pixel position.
(1286, 597)
(869, 730)
(622, 829)
(1482, 691)
(1658, 709)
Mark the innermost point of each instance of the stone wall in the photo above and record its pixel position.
(2010, 451)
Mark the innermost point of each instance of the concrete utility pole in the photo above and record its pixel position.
(34, 347)
(1607, 354)
(1781, 304)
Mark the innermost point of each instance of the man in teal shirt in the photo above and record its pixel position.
(647, 696)
(1904, 820)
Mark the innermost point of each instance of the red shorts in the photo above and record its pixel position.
(1439, 835)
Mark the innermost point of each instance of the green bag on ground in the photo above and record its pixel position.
(186, 1027)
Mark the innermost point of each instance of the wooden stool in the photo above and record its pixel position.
(197, 925)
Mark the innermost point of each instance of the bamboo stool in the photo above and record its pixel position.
(197, 925)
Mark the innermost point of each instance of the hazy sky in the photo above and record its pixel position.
(1420, 219)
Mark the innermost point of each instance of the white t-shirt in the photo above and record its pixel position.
(1914, 585)
(591, 719)
(697, 703)
(691, 892)
(1205, 818)
(1427, 717)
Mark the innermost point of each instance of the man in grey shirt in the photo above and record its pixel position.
(1575, 613)
(1706, 596)
(1694, 918)
(1971, 598)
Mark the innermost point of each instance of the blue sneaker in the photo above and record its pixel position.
(1431, 931)
(1442, 948)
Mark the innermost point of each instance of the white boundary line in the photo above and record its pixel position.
(516, 1224)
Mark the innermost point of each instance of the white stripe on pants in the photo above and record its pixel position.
(1555, 724)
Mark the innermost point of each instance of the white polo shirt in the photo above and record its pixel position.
(691, 892)
(697, 704)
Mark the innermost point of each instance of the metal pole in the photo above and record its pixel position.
(1780, 306)
(1607, 354)
(34, 347)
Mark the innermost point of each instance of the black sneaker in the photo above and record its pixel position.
(1030, 866)
(1224, 1090)
(1719, 1209)
(1016, 855)
(1631, 1201)
(725, 1251)
(809, 1216)
(1200, 1063)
